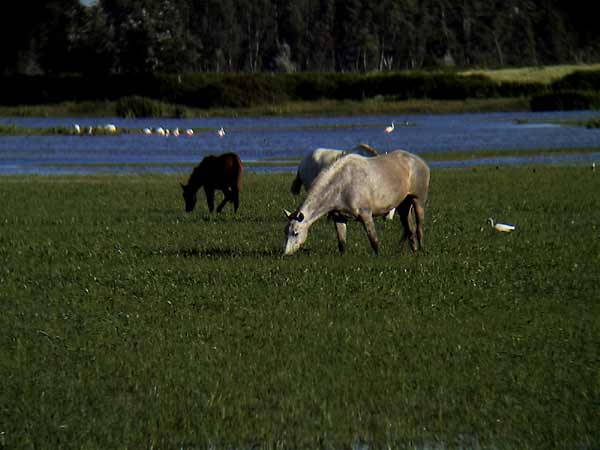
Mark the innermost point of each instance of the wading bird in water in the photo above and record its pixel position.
(221, 132)
(390, 128)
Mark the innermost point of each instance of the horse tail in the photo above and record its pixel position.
(240, 174)
(296, 185)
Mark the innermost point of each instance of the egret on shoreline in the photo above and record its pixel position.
(501, 227)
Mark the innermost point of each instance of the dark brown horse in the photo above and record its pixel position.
(223, 173)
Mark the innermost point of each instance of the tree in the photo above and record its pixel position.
(92, 42)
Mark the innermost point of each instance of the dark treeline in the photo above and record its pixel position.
(53, 37)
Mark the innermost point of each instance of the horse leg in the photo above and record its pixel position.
(419, 219)
(340, 228)
(296, 185)
(236, 199)
(404, 213)
(366, 217)
(225, 200)
(210, 198)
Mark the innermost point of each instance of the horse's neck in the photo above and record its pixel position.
(196, 179)
(318, 203)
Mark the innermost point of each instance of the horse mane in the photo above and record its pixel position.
(195, 174)
(327, 175)
(362, 150)
(368, 148)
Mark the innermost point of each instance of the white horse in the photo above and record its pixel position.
(321, 158)
(317, 160)
(362, 188)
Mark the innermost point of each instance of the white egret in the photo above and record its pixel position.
(221, 132)
(189, 132)
(390, 128)
(147, 131)
(77, 128)
(502, 227)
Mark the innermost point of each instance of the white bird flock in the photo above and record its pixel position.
(501, 227)
(108, 128)
(160, 131)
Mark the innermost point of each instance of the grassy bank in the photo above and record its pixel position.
(297, 94)
(128, 324)
(286, 109)
(541, 74)
(210, 94)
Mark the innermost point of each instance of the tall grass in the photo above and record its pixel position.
(128, 324)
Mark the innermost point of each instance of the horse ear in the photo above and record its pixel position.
(300, 217)
(287, 214)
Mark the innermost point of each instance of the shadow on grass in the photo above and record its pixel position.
(222, 253)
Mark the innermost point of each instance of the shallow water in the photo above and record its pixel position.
(264, 138)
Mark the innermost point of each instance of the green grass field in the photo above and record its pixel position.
(127, 324)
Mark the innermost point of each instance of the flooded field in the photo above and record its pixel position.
(269, 140)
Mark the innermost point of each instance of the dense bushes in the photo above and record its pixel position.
(149, 95)
(579, 81)
(579, 90)
(566, 101)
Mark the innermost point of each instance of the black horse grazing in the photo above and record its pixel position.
(223, 173)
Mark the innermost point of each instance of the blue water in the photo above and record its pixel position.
(256, 139)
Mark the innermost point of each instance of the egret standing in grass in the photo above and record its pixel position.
(501, 227)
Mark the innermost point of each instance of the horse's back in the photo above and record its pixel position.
(396, 173)
(223, 171)
(405, 167)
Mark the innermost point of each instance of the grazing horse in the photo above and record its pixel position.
(223, 173)
(361, 188)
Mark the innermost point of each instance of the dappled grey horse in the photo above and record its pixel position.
(363, 188)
